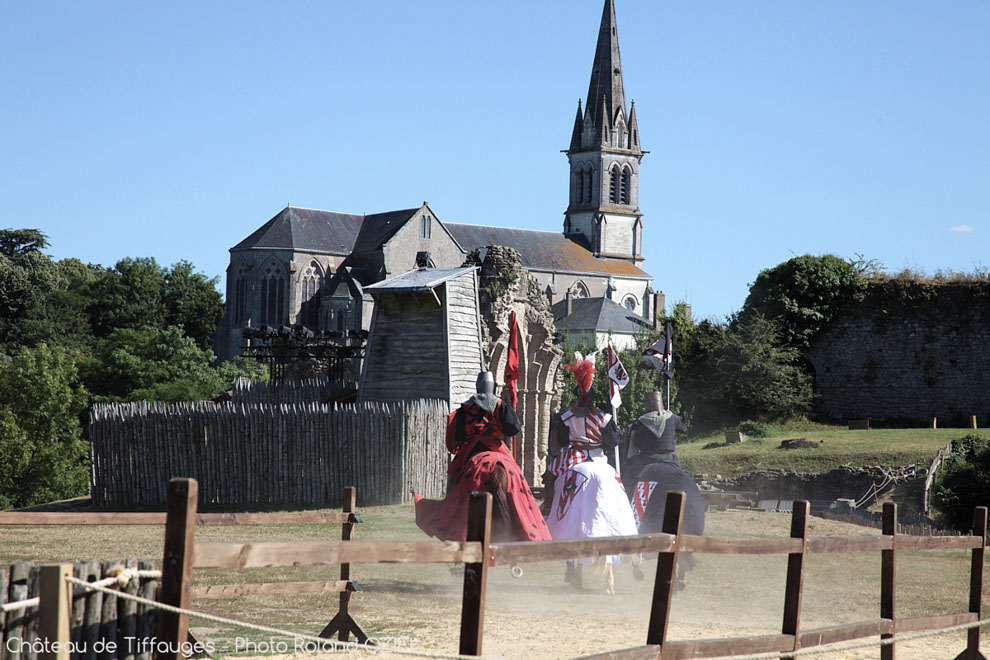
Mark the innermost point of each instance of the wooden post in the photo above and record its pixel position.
(972, 422)
(666, 578)
(53, 612)
(342, 624)
(177, 563)
(888, 573)
(795, 574)
(934, 422)
(972, 651)
(479, 529)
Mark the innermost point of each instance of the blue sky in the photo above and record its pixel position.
(174, 129)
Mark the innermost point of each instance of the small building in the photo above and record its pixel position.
(595, 320)
(425, 337)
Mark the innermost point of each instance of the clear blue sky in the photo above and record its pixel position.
(174, 129)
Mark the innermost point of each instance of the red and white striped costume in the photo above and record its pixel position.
(585, 440)
(641, 499)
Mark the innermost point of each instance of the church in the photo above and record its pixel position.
(309, 267)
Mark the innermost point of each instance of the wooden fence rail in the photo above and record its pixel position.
(182, 554)
(268, 455)
(93, 619)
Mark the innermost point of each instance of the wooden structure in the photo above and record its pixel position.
(477, 554)
(425, 337)
(268, 456)
(84, 618)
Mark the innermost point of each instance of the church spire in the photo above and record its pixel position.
(606, 94)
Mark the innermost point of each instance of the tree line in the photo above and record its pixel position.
(72, 334)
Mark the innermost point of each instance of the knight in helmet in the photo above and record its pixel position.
(482, 462)
(586, 499)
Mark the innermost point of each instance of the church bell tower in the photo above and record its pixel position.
(604, 156)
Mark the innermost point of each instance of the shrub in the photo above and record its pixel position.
(756, 429)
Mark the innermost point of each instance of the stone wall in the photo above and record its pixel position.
(503, 287)
(908, 352)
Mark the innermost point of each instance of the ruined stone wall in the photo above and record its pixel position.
(504, 287)
(906, 353)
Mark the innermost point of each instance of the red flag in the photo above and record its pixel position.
(512, 370)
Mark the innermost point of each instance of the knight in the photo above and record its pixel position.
(585, 499)
(482, 462)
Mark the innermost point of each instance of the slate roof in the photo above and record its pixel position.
(379, 227)
(419, 279)
(306, 229)
(541, 249)
(598, 314)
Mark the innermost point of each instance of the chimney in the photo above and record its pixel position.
(687, 311)
(569, 307)
(659, 307)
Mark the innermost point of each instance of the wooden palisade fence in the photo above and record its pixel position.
(93, 618)
(265, 456)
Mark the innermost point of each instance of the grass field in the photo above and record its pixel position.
(537, 615)
(839, 446)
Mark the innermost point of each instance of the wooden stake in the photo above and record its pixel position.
(934, 422)
(177, 563)
(972, 651)
(795, 574)
(972, 422)
(343, 624)
(53, 612)
(666, 578)
(476, 575)
(888, 574)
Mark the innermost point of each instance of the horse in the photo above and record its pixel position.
(648, 483)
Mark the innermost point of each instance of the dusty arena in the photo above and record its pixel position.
(537, 615)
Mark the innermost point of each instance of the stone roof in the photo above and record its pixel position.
(597, 314)
(541, 249)
(310, 230)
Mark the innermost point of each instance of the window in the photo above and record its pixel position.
(272, 296)
(630, 303)
(613, 186)
(426, 226)
(588, 178)
(626, 188)
(240, 296)
(312, 280)
(579, 187)
(579, 290)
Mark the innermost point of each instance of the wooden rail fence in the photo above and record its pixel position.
(182, 554)
(265, 456)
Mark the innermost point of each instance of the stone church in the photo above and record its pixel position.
(310, 267)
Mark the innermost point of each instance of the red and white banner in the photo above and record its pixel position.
(618, 377)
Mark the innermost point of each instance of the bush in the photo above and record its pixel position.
(964, 482)
(755, 429)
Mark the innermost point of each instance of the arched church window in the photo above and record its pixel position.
(630, 303)
(578, 187)
(312, 280)
(272, 295)
(579, 290)
(240, 295)
(588, 179)
(626, 186)
(613, 186)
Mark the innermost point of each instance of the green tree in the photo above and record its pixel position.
(803, 295)
(128, 296)
(193, 303)
(157, 365)
(43, 456)
(964, 482)
(28, 277)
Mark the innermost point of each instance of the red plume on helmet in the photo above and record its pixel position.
(583, 370)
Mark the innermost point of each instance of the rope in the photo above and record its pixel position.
(322, 642)
(20, 604)
(119, 576)
(858, 644)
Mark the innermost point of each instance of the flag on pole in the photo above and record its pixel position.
(618, 377)
(512, 371)
(660, 354)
